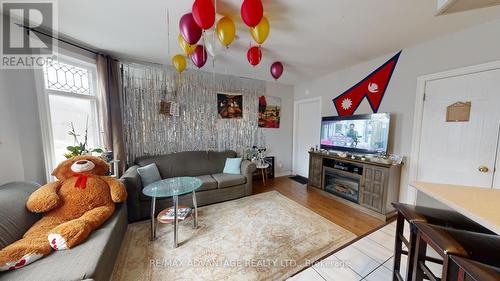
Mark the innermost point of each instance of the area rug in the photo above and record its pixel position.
(261, 237)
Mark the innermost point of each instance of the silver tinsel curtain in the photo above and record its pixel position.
(198, 127)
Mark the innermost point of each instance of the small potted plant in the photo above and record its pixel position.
(257, 155)
(251, 153)
(80, 148)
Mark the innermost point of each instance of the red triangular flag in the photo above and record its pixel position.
(349, 101)
(373, 87)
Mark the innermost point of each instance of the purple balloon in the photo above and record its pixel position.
(276, 70)
(189, 29)
(199, 56)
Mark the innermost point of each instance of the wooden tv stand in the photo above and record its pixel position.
(377, 182)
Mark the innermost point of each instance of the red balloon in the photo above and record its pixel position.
(204, 13)
(189, 29)
(254, 55)
(252, 12)
(276, 70)
(199, 56)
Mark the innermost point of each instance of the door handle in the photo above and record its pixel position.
(483, 169)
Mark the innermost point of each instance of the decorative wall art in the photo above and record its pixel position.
(197, 126)
(170, 108)
(372, 87)
(458, 112)
(269, 112)
(229, 106)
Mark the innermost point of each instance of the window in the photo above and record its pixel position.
(71, 104)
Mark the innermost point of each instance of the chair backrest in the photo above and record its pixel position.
(465, 269)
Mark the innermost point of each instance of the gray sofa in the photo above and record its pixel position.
(92, 260)
(206, 165)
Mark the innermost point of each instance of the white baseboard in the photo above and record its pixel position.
(283, 174)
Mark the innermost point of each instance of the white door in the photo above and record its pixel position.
(462, 153)
(306, 133)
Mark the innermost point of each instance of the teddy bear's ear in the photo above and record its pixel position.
(63, 170)
(101, 166)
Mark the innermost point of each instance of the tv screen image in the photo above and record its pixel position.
(357, 133)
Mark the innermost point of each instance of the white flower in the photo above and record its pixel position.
(346, 104)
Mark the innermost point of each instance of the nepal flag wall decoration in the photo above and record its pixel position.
(373, 87)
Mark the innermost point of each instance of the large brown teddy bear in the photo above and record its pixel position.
(80, 201)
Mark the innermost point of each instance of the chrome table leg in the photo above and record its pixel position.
(153, 219)
(195, 205)
(176, 219)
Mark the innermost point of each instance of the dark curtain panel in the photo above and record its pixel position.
(110, 101)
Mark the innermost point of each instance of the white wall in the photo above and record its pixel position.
(11, 166)
(279, 141)
(21, 147)
(472, 46)
(20, 136)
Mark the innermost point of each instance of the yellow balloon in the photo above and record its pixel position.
(260, 31)
(185, 46)
(226, 31)
(179, 62)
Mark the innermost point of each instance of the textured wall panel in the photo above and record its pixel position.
(147, 132)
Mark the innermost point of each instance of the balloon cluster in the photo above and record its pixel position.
(252, 14)
(200, 22)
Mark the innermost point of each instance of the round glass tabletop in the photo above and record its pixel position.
(172, 187)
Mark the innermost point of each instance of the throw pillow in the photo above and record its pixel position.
(149, 174)
(232, 166)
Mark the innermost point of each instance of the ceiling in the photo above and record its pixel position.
(454, 6)
(311, 37)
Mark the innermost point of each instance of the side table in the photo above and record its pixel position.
(263, 170)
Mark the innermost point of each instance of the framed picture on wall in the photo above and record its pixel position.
(229, 106)
(269, 112)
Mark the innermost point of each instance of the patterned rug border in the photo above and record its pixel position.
(321, 255)
(300, 266)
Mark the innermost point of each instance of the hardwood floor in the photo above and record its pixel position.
(349, 218)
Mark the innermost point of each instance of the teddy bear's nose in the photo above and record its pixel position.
(82, 166)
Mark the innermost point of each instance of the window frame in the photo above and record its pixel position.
(43, 96)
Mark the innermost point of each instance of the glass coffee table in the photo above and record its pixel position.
(172, 187)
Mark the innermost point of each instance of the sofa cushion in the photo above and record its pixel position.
(181, 164)
(218, 160)
(15, 219)
(209, 183)
(228, 180)
(149, 174)
(232, 166)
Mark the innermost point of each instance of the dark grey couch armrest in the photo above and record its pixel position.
(247, 167)
(15, 219)
(133, 183)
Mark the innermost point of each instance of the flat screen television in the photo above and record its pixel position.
(367, 134)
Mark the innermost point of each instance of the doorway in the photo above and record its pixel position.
(306, 133)
(461, 153)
